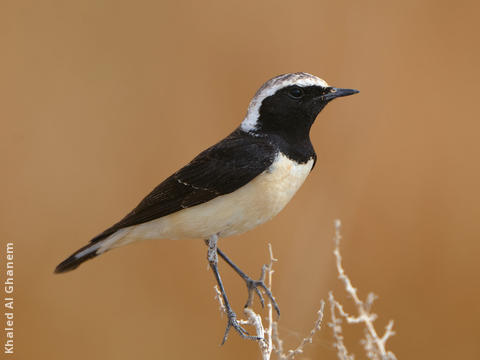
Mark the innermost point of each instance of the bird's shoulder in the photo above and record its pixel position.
(237, 154)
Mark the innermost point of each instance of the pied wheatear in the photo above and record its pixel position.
(241, 182)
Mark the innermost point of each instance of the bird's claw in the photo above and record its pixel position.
(233, 322)
(253, 285)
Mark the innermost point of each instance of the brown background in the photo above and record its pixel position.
(101, 100)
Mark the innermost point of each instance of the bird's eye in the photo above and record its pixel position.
(296, 93)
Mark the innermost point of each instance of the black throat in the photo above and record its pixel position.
(290, 133)
(296, 148)
(285, 118)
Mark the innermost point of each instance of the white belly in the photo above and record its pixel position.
(251, 205)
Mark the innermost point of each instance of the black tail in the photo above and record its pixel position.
(85, 253)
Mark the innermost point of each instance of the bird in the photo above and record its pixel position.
(233, 186)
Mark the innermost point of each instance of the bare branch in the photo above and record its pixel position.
(218, 297)
(336, 325)
(374, 345)
(309, 339)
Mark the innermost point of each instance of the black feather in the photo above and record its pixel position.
(219, 170)
(74, 260)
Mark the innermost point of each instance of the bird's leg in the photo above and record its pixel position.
(252, 284)
(232, 317)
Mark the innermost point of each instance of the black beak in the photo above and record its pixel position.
(337, 92)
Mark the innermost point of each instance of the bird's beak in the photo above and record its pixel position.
(337, 92)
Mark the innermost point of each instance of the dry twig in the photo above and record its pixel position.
(270, 334)
(374, 345)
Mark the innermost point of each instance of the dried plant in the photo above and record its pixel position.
(271, 342)
(375, 346)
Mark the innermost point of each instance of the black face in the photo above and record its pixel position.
(292, 110)
(289, 114)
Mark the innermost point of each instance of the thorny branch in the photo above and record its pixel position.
(270, 336)
(374, 345)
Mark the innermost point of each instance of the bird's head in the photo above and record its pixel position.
(289, 103)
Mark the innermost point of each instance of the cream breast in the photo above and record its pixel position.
(231, 214)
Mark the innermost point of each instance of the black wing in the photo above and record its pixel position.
(219, 170)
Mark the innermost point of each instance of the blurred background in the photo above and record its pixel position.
(101, 100)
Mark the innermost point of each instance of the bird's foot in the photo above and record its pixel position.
(253, 285)
(233, 322)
